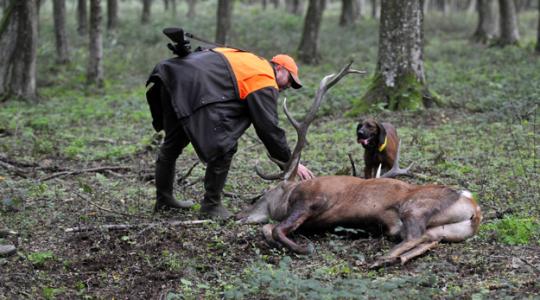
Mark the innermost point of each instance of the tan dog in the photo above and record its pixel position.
(380, 142)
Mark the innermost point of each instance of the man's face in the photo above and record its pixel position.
(283, 78)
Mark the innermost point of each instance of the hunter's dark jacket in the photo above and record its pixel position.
(204, 94)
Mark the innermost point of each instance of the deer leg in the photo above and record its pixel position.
(267, 233)
(417, 251)
(290, 224)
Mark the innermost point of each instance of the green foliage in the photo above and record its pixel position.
(264, 280)
(40, 258)
(515, 230)
(51, 293)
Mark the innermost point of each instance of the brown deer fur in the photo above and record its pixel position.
(419, 215)
(372, 135)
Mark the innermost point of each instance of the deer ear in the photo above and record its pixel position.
(382, 133)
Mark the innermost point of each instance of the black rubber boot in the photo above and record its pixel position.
(214, 181)
(164, 187)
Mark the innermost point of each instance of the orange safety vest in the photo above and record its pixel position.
(251, 71)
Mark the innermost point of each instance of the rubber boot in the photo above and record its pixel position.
(214, 181)
(165, 170)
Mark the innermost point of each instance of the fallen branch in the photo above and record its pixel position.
(98, 169)
(113, 227)
(108, 210)
(11, 168)
(7, 232)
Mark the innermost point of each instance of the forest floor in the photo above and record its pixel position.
(81, 157)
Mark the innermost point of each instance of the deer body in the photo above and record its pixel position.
(416, 214)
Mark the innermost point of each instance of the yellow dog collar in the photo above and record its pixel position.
(383, 146)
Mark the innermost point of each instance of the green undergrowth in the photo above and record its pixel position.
(280, 282)
(485, 141)
(514, 230)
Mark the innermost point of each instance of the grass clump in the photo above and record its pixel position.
(515, 230)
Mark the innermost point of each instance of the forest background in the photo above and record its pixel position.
(77, 149)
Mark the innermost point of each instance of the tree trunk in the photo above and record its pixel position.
(376, 9)
(173, 8)
(62, 48)
(538, 30)
(308, 51)
(264, 4)
(82, 17)
(191, 8)
(95, 57)
(486, 28)
(112, 14)
(399, 82)
(508, 23)
(276, 3)
(224, 17)
(166, 4)
(349, 11)
(18, 50)
(294, 6)
(145, 17)
(473, 4)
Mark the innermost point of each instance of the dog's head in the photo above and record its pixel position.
(370, 133)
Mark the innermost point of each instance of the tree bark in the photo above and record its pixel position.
(375, 9)
(112, 14)
(173, 8)
(62, 48)
(146, 11)
(538, 30)
(349, 13)
(82, 17)
(166, 4)
(95, 57)
(18, 50)
(399, 82)
(486, 28)
(275, 2)
(508, 23)
(224, 17)
(294, 6)
(308, 51)
(191, 8)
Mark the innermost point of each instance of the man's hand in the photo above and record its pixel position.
(304, 173)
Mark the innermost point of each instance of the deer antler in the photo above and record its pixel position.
(395, 171)
(289, 170)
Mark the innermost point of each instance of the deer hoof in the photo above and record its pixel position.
(383, 262)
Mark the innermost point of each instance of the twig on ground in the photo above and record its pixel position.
(129, 226)
(75, 172)
(109, 210)
(181, 179)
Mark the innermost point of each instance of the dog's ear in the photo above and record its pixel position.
(382, 133)
(360, 124)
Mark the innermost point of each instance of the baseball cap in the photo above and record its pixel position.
(288, 63)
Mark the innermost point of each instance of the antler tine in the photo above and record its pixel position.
(396, 170)
(275, 176)
(294, 123)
